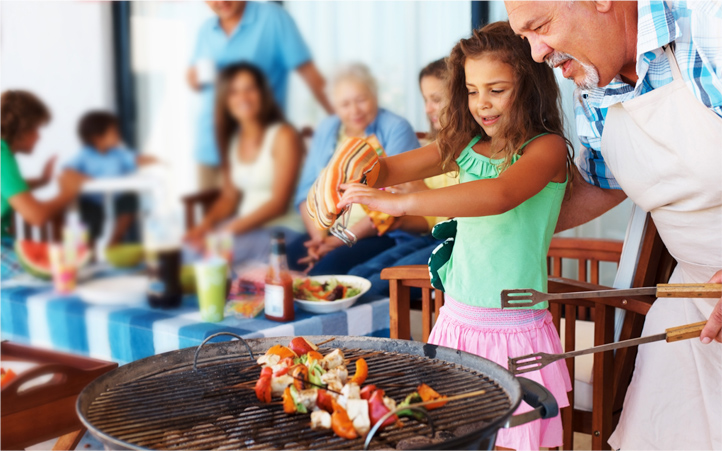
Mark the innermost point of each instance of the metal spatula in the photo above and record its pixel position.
(525, 298)
(533, 362)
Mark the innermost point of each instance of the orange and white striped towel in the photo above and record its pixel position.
(354, 159)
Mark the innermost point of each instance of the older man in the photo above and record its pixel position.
(262, 33)
(649, 117)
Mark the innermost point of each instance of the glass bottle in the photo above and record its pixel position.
(279, 285)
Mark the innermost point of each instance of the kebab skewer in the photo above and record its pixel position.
(309, 382)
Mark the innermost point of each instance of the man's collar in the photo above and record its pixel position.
(656, 26)
(250, 15)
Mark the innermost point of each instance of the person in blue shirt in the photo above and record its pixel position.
(263, 34)
(355, 100)
(102, 156)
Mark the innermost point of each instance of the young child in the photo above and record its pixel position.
(503, 130)
(104, 156)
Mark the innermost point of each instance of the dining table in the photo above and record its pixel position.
(33, 313)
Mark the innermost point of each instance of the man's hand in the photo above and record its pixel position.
(713, 329)
(192, 77)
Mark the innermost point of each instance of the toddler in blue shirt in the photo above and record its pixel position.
(103, 155)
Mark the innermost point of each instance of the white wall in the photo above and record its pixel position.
(395, 39)
(61, 51)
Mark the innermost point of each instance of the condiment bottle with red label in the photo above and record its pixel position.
(279, 284)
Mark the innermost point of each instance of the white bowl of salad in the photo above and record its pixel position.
(326, 294)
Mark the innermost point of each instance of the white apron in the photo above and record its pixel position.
(665, 150)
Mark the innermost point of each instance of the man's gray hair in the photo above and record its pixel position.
(358, 72)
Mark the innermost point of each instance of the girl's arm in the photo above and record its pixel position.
(286, 161)
(408, 166)
(544, 161)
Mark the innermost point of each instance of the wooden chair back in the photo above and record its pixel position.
(196, 205)
(48, 232)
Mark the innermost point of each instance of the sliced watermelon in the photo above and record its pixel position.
(35, 258)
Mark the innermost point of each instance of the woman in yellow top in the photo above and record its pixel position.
(432, 81)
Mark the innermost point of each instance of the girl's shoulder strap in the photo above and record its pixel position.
(530, 140)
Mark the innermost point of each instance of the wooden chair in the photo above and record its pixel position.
(643, 261)
(50, 231)
(196, 205)
(47, 410)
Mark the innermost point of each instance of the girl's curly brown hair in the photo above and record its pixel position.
(20, 112)
(535, 108)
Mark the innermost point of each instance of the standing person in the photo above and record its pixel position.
(260, 167)
(263, 34)
(649, 116)
(22, 115)
(354, 93)
(503, 130)
(432, 82)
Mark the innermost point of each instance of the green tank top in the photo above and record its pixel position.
(494, 253)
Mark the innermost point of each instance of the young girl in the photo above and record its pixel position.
(503, 130)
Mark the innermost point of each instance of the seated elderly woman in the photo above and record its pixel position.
(355, 99)
(432, 81)
(259, 165)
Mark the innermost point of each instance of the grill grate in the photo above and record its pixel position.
(177, 408)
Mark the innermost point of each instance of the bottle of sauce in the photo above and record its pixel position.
(279, 285)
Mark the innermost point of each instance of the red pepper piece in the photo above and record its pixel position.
(263, 386)
(377, 409)
(367, 391)
(324, 401)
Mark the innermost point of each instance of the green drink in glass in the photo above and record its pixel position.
(211, 288)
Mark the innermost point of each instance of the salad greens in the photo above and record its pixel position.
(331, 290)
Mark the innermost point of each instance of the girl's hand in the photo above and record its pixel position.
(373, 198)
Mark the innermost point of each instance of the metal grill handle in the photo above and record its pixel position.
(378, 424)
(198, 350)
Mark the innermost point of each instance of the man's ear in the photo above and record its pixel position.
(603, 6)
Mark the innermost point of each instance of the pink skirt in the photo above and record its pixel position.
(496, 335)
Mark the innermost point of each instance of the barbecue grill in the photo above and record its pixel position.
(162, 402)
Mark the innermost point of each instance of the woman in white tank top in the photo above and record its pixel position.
(259, 167)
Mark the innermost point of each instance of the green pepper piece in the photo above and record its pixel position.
(300, 408)
(413, 398)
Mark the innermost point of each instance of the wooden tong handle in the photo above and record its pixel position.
(689, 290)
(685, 332)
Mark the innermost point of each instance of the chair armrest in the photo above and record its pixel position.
(420, 272)
(208, 195)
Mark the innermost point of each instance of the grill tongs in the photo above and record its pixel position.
(533, 362)
(525, 298)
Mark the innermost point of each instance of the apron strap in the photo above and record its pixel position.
(676, 73)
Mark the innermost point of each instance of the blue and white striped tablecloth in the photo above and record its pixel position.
(34, 315)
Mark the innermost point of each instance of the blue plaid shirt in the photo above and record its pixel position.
(696, 29)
